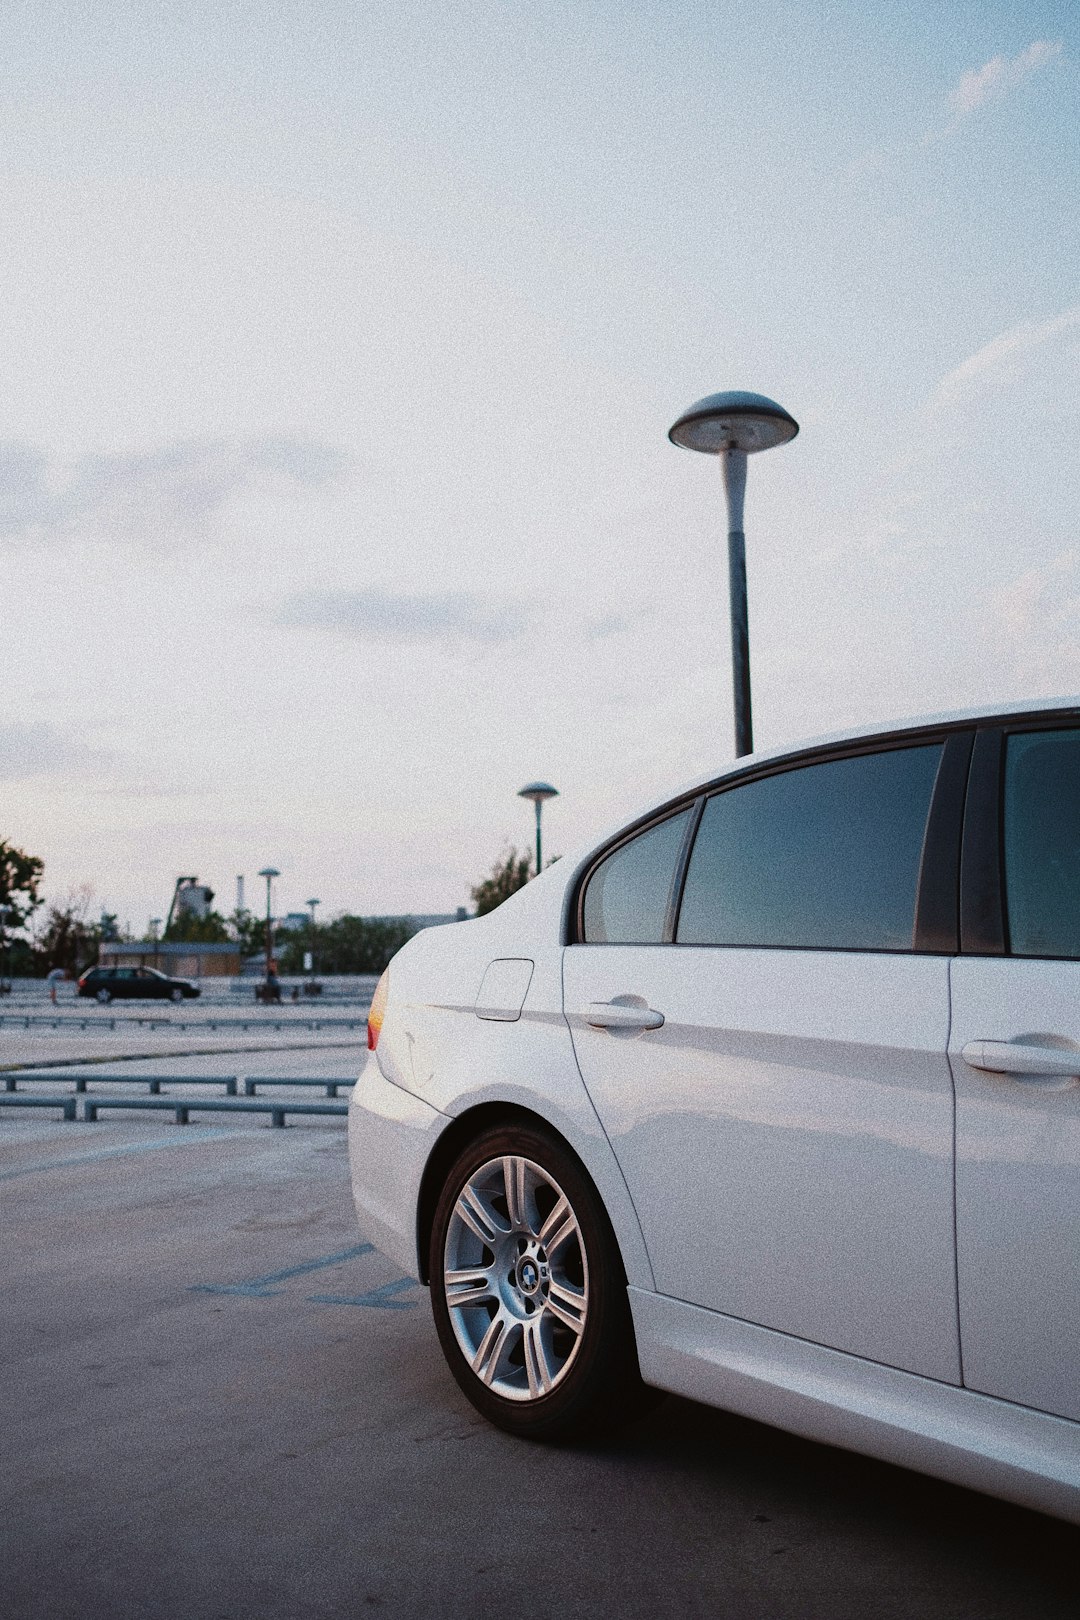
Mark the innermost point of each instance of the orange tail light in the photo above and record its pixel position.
(377, 1011)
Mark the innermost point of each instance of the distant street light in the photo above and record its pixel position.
(313, 904)
(734, 426)
(269, 873)
(538, 792)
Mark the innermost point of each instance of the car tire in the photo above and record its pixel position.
(176, 995)
(528, 1290)
(104, 996)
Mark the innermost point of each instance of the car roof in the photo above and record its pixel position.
(898, 730)
(912, 725)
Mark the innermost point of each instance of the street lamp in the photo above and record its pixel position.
(734, 426)
(538, 792)
(269, 873)
(313, 904)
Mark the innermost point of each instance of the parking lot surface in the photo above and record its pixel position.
(219, 1403)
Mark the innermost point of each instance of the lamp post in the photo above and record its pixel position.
(538, 792)
(6, 913)
(313, 904)
(269, 873)
(734, 426)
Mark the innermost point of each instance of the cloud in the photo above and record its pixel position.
(999, 76)
(1000, 357)
(35, 748)
(153, 496)
(377, 615)
(610, 624)
(976, 88)
(1041, 597)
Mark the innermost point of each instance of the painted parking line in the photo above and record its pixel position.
(380, 1298)
(264, 1287)
(127, 1147)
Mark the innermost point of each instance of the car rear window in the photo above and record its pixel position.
(1042, 843)
(629, 894)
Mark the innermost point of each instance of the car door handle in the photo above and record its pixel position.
(1023, 1059)
(622, 1013)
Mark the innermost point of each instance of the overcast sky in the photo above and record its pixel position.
(340, 346)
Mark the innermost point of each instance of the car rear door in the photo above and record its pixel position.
(785, 1127)
(1015, 1051)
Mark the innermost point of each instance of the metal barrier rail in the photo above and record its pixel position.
(219, 1105)
(154, 1081)
(110, 1021)
(253, 1080)
(23, 1101)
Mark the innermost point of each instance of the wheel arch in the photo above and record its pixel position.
(464, 1128)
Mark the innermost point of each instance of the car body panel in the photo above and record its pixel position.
(786, 1136)
(391, 1136)
(1018, 1187)
(954, 1434)
(434, 1043)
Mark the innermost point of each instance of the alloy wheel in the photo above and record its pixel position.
(516, 1278)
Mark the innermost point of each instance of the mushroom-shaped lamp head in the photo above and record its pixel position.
(733, 421)
(538, 792)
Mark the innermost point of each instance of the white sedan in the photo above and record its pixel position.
(770, 1099)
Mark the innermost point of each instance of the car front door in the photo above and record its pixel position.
(785, 1129)
(1015, 1050)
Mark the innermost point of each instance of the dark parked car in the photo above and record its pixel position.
(130, 984)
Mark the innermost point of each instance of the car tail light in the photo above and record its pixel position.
(377, 1011)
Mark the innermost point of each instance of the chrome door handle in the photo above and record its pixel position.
(622, 1013)
(1023, 1059)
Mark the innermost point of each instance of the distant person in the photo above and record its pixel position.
(54, 977)
(271, 990)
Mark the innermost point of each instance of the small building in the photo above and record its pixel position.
(180, 959)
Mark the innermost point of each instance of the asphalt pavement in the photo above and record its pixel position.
(219, 1403)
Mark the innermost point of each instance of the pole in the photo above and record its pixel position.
(313, 904)
(734, 464)
(539, 856)
(269, 921)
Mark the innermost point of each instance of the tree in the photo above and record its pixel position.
(69, 940)
(248, 931)
(347, 945)
(209, 930)
(510, 873)
(20, 879)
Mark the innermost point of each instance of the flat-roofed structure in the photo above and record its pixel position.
(180, 959)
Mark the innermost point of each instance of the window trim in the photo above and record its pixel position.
(982, 877)
(938, 891)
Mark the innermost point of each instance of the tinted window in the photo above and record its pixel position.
(627, 898)
(1042, 843)
(824, 857)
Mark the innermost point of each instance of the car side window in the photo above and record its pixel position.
(821, 857)
(1042, 843)
(629, 894)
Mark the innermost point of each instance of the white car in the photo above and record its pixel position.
(771, 1099)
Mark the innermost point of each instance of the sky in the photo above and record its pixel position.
(340, 344)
